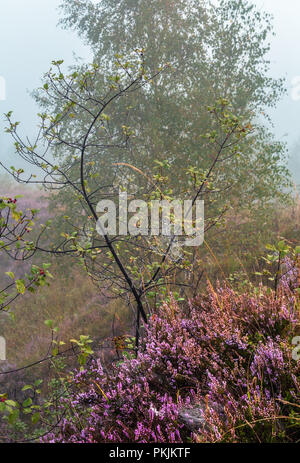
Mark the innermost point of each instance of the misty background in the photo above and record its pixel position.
(36, 40)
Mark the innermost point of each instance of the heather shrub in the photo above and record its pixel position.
(218, 370)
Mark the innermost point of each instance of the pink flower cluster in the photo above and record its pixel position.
(218, 370)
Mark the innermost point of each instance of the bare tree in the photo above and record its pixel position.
(92, 167)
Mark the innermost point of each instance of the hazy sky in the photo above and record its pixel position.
(285, 59)
(30, 40)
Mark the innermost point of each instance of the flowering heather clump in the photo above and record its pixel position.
(290, 274)
(219, 371)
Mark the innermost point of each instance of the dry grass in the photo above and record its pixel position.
(74, 305)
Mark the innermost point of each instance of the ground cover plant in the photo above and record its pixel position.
(221, 370)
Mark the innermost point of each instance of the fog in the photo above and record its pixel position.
(30, 40)
(26, 53)
(284, 57)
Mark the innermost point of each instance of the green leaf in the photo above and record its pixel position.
(11, 403)
(13, 416)
(20, 286)
(55, 351)
(49, 323)
(27, 387)
(35, 417)
(46, 266)
(38, 382)
(10, 274)
(27, 402)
